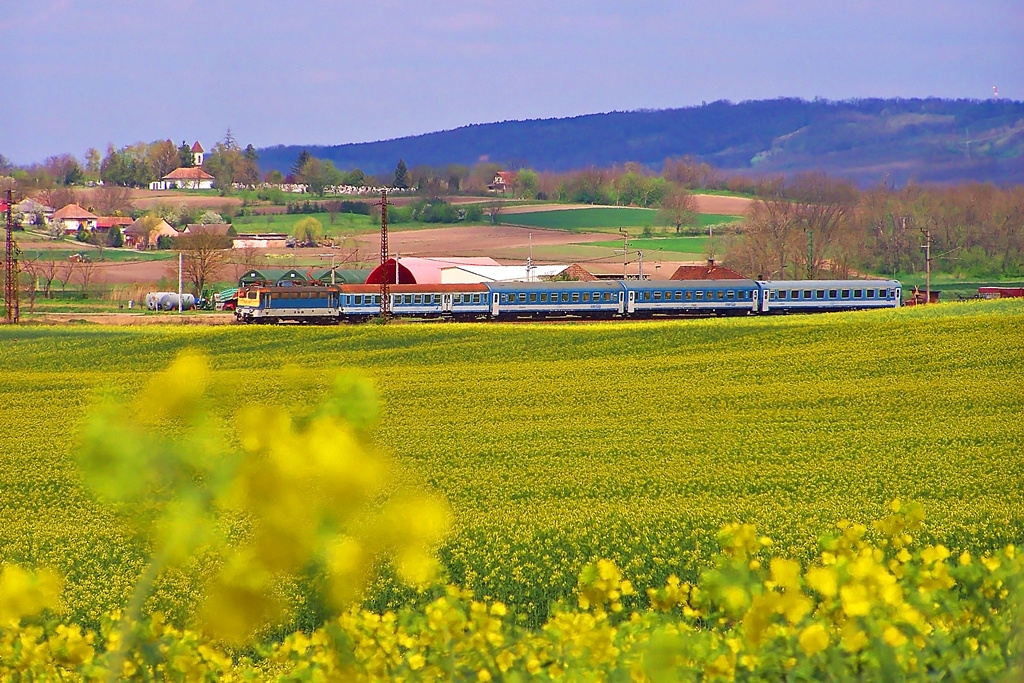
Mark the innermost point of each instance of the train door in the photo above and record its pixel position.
(446, 304)
(622, 302)
(630, 304)
(494, 304)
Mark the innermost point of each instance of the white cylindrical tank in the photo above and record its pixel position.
(169, 302)
(153, 300)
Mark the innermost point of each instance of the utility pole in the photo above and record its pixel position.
(927, 265)
(385, 292)
(10, 264)
(179, 281)
(640, 256)
(625, 250)
(529, 260)
(810, 254)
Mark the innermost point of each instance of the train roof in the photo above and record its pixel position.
(828, 284)
(589, 285)
(661, 285)
(415, 289)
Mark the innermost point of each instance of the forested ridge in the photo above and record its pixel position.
(869, 141)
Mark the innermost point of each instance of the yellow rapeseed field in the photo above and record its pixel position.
(568, 455)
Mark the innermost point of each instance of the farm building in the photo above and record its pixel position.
(468, 274)
(219, 229)
(424, 271)
(105, 223)
(273, 276)
(260, 240)
(144, 233)
(73, 218)
(705, 271)
(30, 209)
(343, 276)
(194, 178)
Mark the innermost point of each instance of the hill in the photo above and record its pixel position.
(870, 140)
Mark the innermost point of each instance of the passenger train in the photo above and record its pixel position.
(540, 300)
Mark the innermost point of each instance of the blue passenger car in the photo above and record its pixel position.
(647, 298)
(599, 299)
(817, 296)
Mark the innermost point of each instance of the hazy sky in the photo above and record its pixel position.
(79, 74)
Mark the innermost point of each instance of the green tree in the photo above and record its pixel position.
(185, 156)
(320, 175)
(115, 238)
(307, 230)
(528, 183)
(300, 162)
(401, 176)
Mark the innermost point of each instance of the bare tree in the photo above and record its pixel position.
(58, 197)
(679, 207)
(493, 210)
(48, 273)
(111, 199)
(86, 274)
(66, 271)
(205, 255)
(245, 259)
(31, 268)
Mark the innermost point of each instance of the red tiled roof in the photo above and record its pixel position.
(75, 213)
(194, 173)
(111, 221)
(706, 271)
(198, 148)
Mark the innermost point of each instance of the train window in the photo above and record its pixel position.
(730, 294)
(720, 295)
(883, 293)
(586, 296)
(807, 294)
(543, 297)
(657, 296)
(575, 296)
(522, 297)
(533, 297)
(794, 294)
(408, 298)
(597, 296)
(607, 296)
(700, 295)
(458, 298)
(417, 298)
(846, 294)
(689, 296)
(858, 293)
(783, 294)
(870, 293)
(359, 299)
(565, 296)
(819, 294)
(833, 293)
(477, 298)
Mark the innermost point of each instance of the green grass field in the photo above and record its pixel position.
(600, 219)
(556, 444)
